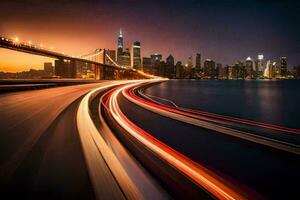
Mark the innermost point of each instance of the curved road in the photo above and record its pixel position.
(261, 167)
(90, 142)
(41, 154)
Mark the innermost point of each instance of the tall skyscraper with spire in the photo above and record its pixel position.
(123, 57)
(120, 40)
(120, 45)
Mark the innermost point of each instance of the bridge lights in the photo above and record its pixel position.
(16, 40)
(51, 48)
(41, 46)
(29, 42)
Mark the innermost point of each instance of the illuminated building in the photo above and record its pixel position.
(259, 66)
(135, 60)
(283, 67)
(156, 58)
(268, 70)
(276, 70)
(240, 70)
(120, 44)
(209, 68)
(249, 68)
(124, 58)
(232, 72)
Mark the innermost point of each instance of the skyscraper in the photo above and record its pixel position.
(155, 58)
(283, 67)
(170, 60)
(120, 40)
(179, 70)
(268, 70)
(170, 68)
(124, 58)
(147, 66)
(209, 68)
(259, 66)
(190, 62)
(249, 68)
(220, 71)
(135, 58)
(198, 62)
(120, 45)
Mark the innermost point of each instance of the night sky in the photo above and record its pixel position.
(225, 31)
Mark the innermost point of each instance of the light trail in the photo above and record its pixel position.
(204, 121)
(98, 155)
(228, 118)
(200, 175)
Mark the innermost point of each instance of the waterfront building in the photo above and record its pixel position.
(240, 69)
(249, 72)
(226, 72)
(136, 55)
(283, 67)
(209, 68)
(161, 66)
(296, 71)
(259, 66)
(232, 72)
(155, 58)
(179, 70)
(170, 68)
(198, 62)
(220, 71)
(268, 70)
(148, 67)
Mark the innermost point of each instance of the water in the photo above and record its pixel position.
(272, 173)
(275, 102)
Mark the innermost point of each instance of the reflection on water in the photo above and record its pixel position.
(275, 102)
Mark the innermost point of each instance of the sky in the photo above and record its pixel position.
(224, 31)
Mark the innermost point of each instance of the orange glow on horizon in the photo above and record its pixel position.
(13, 61)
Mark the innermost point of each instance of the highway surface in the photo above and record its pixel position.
(44, 155)
(110, 140)
(40, 150)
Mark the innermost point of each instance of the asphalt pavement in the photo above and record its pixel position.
(41, 154)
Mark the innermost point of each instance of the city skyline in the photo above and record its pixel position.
(197, 31)
(189, 61)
